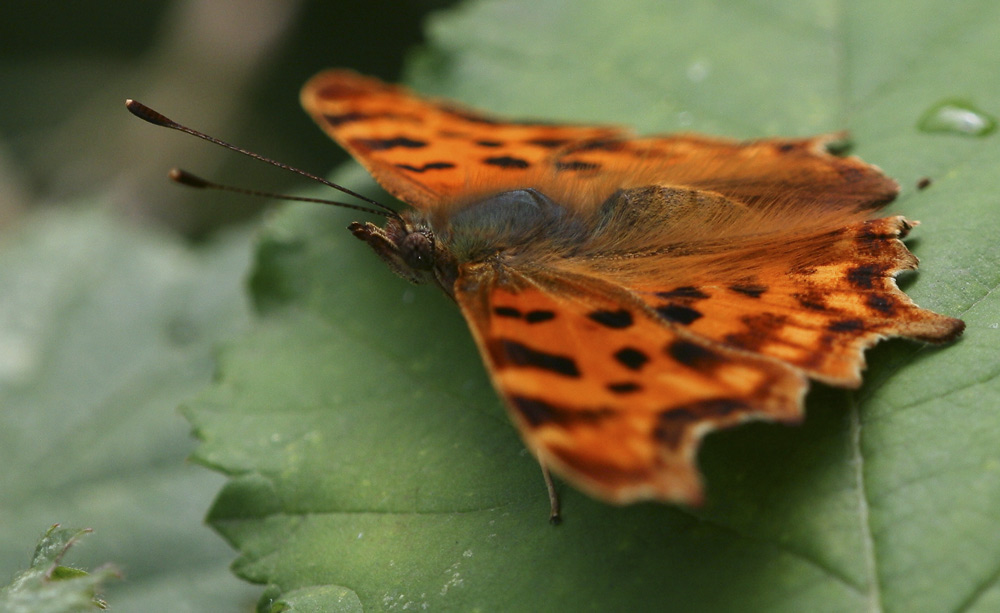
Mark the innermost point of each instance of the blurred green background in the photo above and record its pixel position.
(229, 68)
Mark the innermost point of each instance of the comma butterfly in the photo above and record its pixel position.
(630, 294)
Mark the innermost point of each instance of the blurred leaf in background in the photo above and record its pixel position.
(104, 330)
(229, 67)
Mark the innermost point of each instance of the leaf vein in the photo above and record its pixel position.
(864, 517)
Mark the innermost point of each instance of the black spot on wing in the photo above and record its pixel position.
(846, 325)
(426, 167)
(503, 311)
(753, 290)
(612, 319)
(693, 355)
(490, 144)
(631, 358)
(547, 143)
(538, 316)
(506, 161)
(686, 291)
(509, 352)
(863, 277)
(678, 313)
(540, 412)
(532, 317)
(624, 387)
(384, 144)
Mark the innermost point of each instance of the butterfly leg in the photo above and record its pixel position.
(555, 516)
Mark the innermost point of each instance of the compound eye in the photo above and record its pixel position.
(417, 250)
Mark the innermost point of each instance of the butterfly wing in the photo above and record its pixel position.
(431, 153)
(815, 304)
(607, 394)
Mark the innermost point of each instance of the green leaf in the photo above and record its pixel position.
(104, 329)
(49, 587)
(368, 455)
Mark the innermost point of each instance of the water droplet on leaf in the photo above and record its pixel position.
(957, 117)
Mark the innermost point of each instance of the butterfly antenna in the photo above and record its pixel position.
(147, 114)
(186, 178)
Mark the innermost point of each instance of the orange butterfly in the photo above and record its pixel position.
(630, 295)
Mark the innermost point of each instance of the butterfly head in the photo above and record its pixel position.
(408, 245)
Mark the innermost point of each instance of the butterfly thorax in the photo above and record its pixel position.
(518, 226)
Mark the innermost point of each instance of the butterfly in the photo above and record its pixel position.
(629, 295)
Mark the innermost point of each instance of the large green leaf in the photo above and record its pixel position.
(104, 329)
(372, 466)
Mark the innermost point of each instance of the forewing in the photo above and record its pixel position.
(432, 153)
